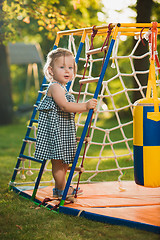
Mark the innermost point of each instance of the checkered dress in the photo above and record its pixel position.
(56, 135)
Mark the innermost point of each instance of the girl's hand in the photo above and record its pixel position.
(91, 104)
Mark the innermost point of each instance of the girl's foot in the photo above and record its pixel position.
(55, 192)
(71, 192)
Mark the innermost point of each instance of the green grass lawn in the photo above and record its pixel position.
(21, 219)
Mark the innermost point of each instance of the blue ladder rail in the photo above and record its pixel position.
(87, 122)
(33, 120)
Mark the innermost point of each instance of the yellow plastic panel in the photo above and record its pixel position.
(151, 166)
(138, 125)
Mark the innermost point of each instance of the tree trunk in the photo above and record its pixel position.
(144, 9)
(6, 112)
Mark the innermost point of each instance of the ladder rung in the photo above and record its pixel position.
(89, 80)
(86, 139)
(96, 50)
(31, 127)
(77, 169)
(30, 158)
(31, 139)
(45, 85)
(36, 104)
(43, 92)
(27, 141)
(34, 120)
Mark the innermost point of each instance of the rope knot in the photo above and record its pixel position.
(94, 32)
(108, 36)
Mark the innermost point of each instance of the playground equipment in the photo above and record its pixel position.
(146, 127)
(105, 137)
(30, 54)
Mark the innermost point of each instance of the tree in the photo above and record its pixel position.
(144, 10)
(6, 111)
(32, 17)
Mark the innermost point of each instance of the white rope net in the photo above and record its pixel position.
(108, 154)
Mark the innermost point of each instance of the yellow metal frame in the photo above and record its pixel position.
(127, 29)
(124, 28)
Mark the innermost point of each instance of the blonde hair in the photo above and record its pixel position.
(52, 56)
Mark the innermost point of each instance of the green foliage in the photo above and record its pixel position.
(16, 14)
(19, 82)
(38, 21)
(45, 17)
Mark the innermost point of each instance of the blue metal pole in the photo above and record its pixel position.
(79, 52)
(29, 129)
(55, 47)
(38, 179)
(27, 133)
(87, 123)
(76, 60)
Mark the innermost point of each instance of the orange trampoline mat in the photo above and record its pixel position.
(128, 201)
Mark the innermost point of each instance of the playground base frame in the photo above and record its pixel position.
(89, 213)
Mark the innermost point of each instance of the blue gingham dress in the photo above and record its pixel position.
(56, 134)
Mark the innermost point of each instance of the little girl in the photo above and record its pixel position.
(56, 135)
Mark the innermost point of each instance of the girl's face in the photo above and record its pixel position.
(63, 69)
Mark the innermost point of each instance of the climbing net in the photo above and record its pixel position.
(106, 154)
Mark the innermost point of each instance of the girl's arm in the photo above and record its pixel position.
(58, 94)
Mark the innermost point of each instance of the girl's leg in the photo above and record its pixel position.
(59, 170)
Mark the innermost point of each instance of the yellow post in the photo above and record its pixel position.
(57, 39)
(155, 116)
